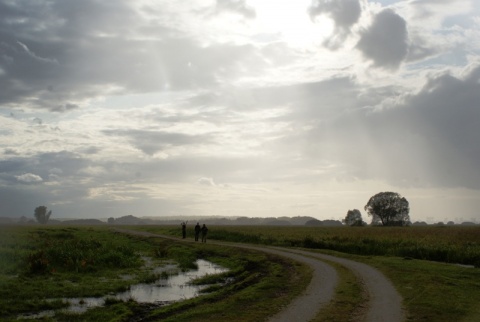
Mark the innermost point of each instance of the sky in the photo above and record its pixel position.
(239, 108)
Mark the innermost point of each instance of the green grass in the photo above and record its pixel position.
(453, 244)
(264, 284)
(40, 263)
(434, 291)
(349, 300)
(74, 262)
(418, 260)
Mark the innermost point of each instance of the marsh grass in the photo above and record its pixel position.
(53, 262)
(39, 263)
(61, 250)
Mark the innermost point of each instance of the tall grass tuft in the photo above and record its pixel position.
(57, 252)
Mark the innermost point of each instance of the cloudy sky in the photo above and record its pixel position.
(255, 108)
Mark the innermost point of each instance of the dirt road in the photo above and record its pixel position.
(384, 302)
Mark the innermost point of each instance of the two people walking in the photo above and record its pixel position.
(198, 231)
(201, 230)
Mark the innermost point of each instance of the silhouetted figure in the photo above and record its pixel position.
(197, 231)
(204, 233)
(184, 229)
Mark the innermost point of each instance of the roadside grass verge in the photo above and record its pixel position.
(431, 291)
(434, 291)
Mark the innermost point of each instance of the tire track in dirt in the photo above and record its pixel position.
(318, 293)
(384, 302)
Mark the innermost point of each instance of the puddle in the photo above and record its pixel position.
(172, 289)
(162, 291)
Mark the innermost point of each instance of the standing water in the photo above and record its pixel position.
(174, 288)
(162, 291)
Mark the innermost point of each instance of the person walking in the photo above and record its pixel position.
(197, 231)
(204, 233)
(184, 229)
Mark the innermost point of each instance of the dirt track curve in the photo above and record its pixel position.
(384, 302)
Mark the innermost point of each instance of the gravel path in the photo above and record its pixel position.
(317, 294)
(384, 302)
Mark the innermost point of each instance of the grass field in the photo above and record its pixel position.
(40, 265)
(450, 244)
(418, 260)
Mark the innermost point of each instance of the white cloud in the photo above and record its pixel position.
(206, 181)
(29, 178)
(33, 55)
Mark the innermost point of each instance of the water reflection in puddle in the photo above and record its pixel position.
(165, 291)
(172, 289)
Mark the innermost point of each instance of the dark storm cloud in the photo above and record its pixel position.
(10, 152)
(345, 14)
(21, 201)
(385, 42)
(69, 200)
(66, 184)
(43, 179)
(14, 165)
(42, 164)
(451, 114)
(55, 55)
(428, 140)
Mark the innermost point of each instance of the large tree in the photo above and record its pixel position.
(388, 209)
(42, 215)
(353, 218)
